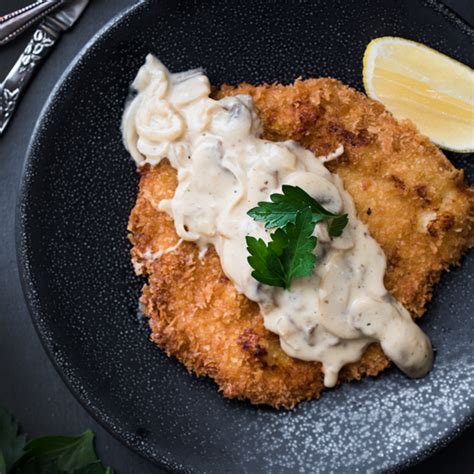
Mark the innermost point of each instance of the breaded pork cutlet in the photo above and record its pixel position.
(415, 203)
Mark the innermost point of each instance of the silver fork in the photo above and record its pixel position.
(44, 38)
(13, 24)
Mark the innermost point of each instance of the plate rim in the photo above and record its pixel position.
(27, 283)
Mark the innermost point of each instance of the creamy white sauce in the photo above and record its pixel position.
(223, 170)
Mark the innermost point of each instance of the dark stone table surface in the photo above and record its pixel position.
(29, 385)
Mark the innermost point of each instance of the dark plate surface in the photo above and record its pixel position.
(78, 188)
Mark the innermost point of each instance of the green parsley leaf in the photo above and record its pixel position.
(266, 264)
(3, 466)
(284, 208)
(11, 443)
(337, 225)
(61, 455)
(298, 258)
(275, 215)
(288, 255)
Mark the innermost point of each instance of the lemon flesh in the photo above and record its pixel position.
(416, 82)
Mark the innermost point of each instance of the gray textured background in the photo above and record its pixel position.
(29, 385)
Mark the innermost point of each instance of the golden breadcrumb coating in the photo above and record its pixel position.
(415, 203)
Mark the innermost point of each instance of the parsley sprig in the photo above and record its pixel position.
(290, 253)
(284, 208)
(47, 454)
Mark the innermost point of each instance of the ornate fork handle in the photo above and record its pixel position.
(12, 24)
(14, 84)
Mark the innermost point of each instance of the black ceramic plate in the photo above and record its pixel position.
(79, 185)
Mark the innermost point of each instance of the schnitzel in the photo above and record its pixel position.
(415, 203)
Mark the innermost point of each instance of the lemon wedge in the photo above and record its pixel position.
(416, 82)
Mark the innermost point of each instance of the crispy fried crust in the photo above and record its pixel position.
(414, 201)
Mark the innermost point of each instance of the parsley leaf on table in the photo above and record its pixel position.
(284, 208)
(61, 454)
(48, 454)
(11, 443)
(288, 255)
